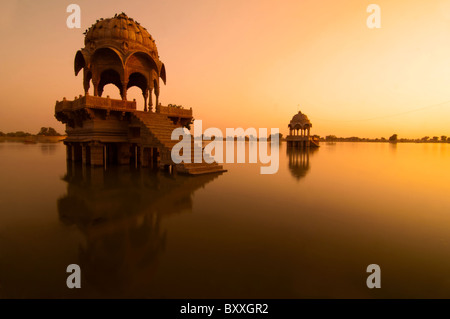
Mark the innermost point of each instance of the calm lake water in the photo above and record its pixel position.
(308, 231)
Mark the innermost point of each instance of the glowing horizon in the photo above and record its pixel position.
(250, 64)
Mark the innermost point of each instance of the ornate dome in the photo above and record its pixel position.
(300, 120)
(123, 31)
(121, 52)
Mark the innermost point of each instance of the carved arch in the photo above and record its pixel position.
(109, 76)
(163, 73)
(79, 62)
(139, 80)
(143, 59)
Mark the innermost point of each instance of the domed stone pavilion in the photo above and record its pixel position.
(299, 132)
(121, 52)
(104, 131)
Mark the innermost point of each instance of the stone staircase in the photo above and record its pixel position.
(157, 128)
(314, 143)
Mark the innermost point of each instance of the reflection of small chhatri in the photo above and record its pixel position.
(299, 164)
(300, 124)
(102, 131)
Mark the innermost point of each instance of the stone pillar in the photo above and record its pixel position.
(84, 158)
(76, 152)
(145, 156)
(150, 156)
(95, 83)
(157, 98)
(97, 154)
(86, 87)
(124, 91)
(105, 155)
(308, 143)
(86, 154)
(145, 94)
(72, 153)
(124, 154)
(69, 152)
(136, 153)
(150, 102)
(155, 157)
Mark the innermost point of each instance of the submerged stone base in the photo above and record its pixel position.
(102, 132)
(301, 141)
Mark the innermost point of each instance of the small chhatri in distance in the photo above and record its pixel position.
(299, 132)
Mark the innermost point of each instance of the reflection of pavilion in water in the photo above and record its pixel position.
(119, 212)
(299, 161)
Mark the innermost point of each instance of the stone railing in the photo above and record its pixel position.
(93, 101)
(63, 105)
(175, 111)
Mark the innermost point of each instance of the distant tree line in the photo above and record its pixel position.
(16, 134)
(393, 139)
(44, 131)
(278, 136)
(48, 131)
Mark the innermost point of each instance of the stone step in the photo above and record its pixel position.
(197, 164)
(160, 128)
(205, 170)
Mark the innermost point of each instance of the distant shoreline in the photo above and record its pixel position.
(33, 139)
(398, 142)
(349, 140)
(55, 139)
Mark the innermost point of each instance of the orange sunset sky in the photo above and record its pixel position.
(245, 63)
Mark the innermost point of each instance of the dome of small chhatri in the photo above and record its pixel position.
(300, 119)
(124, 32)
